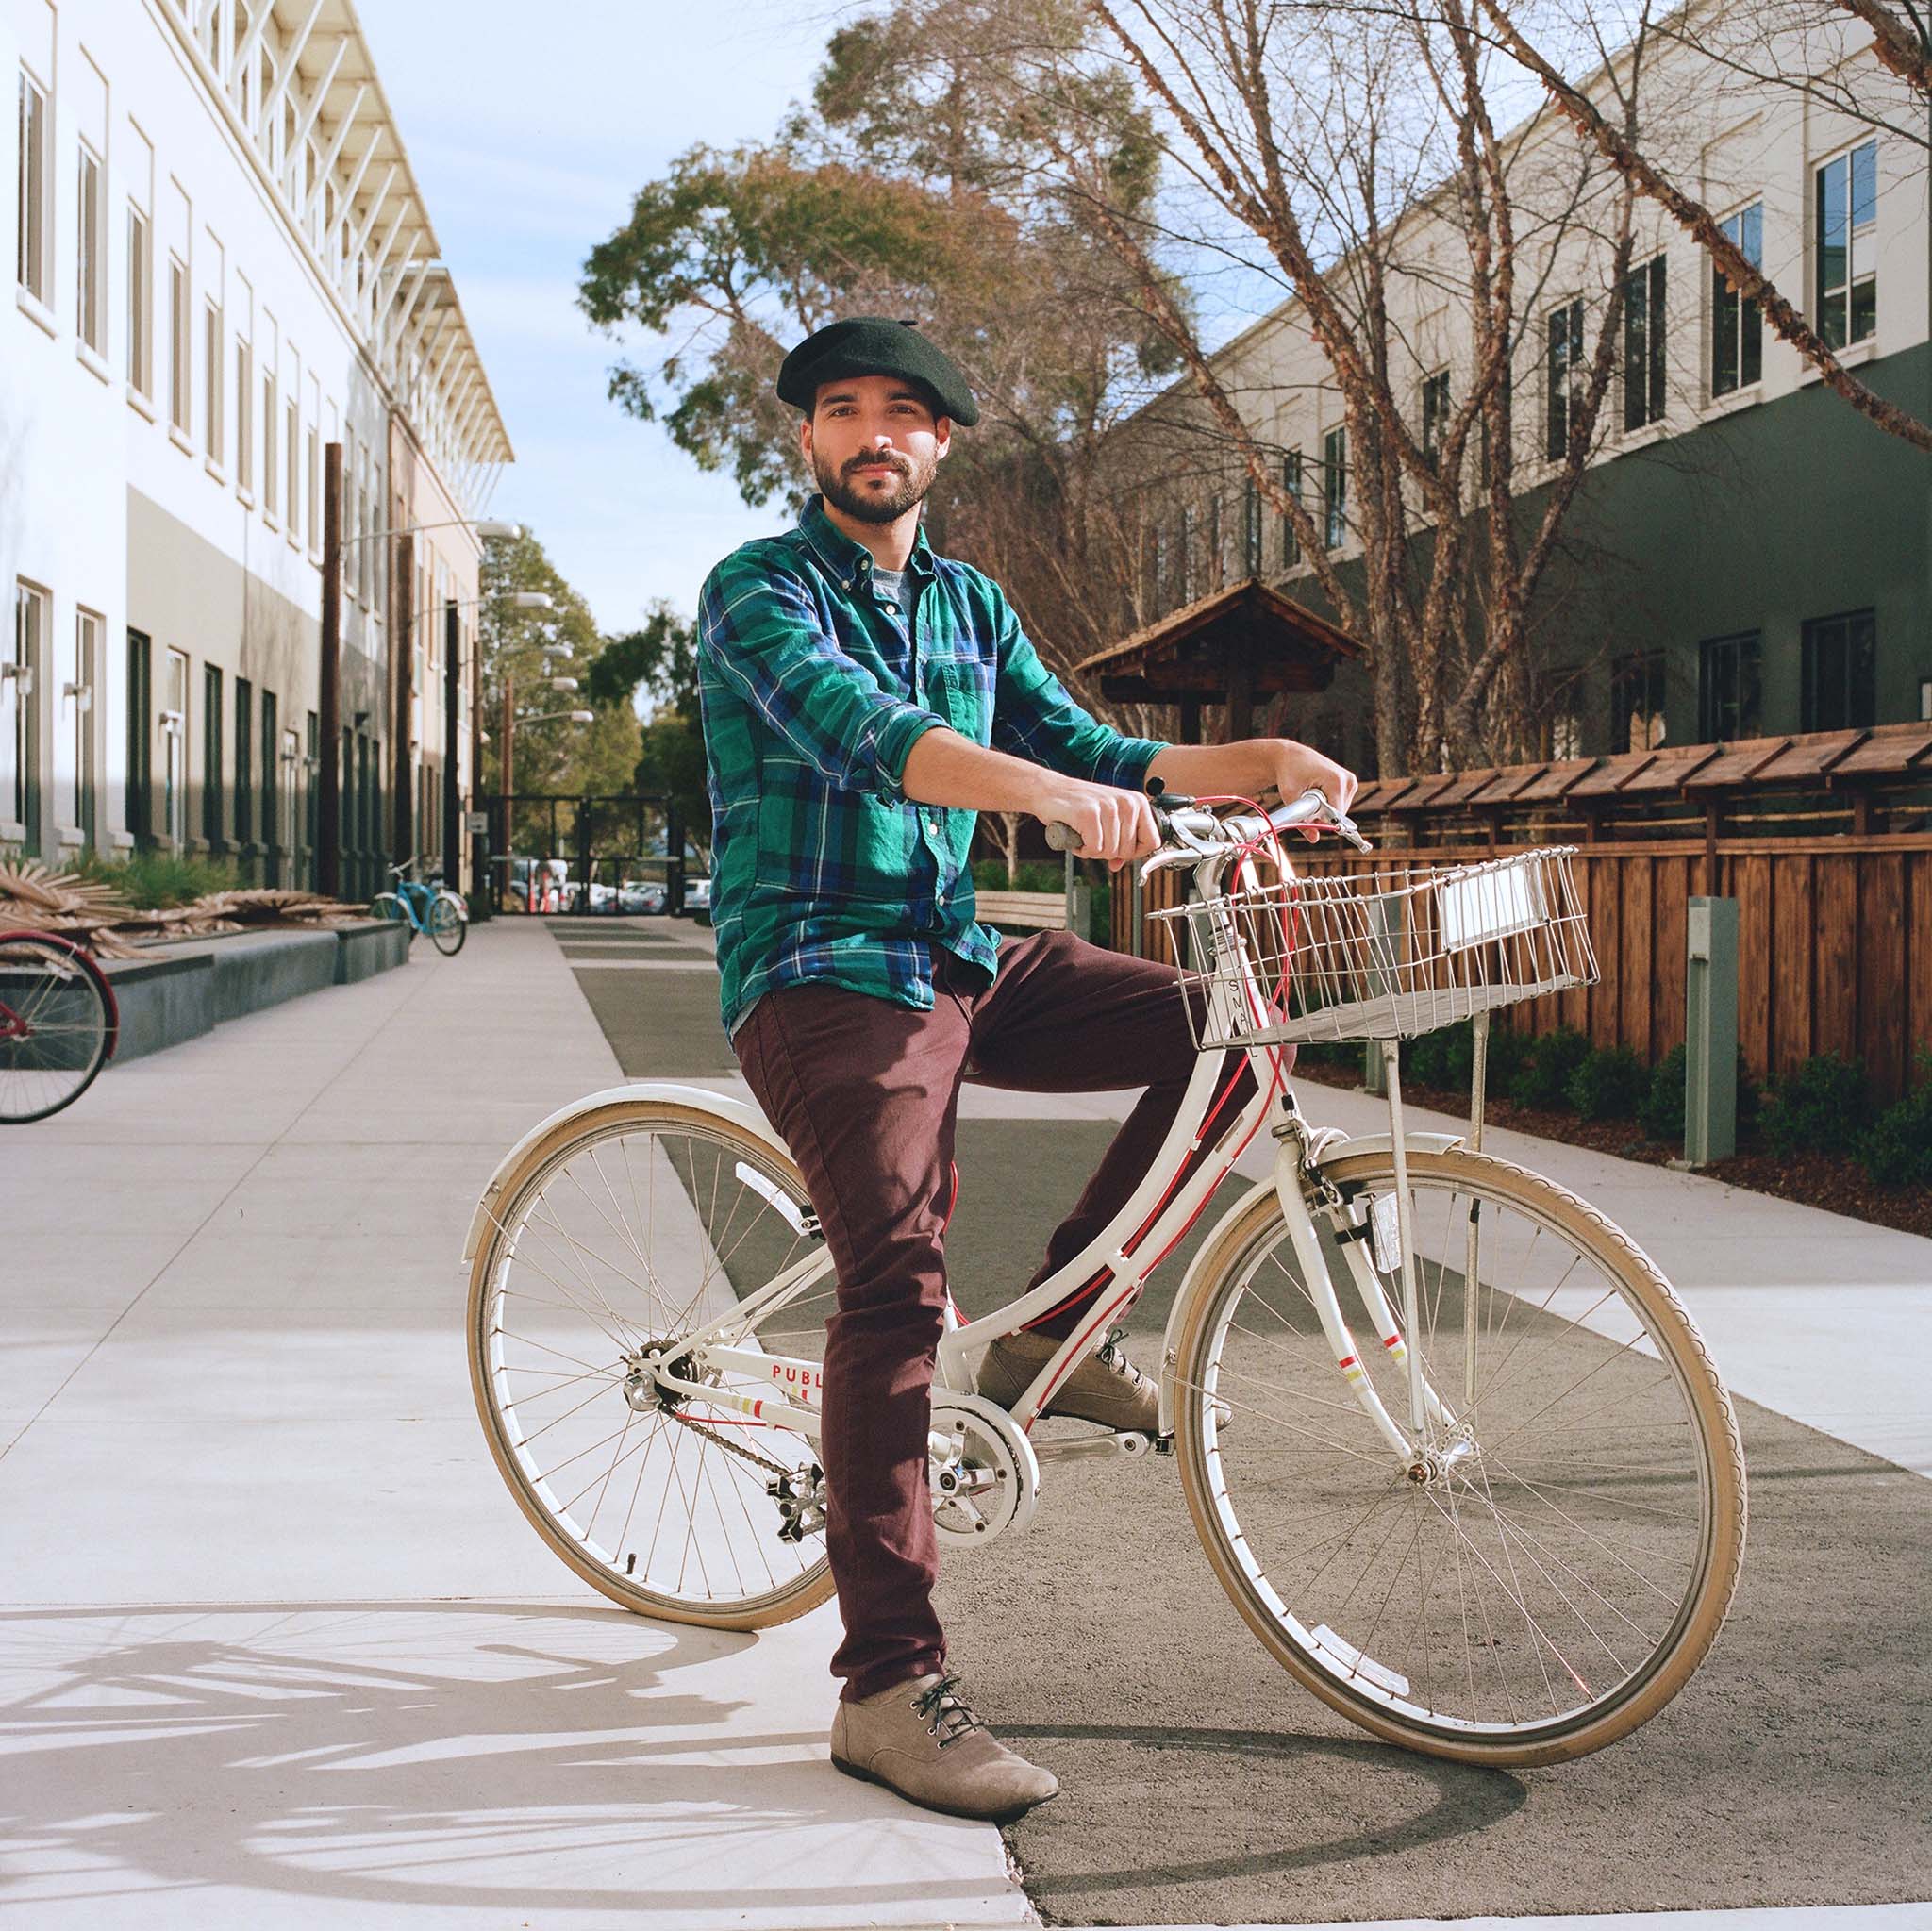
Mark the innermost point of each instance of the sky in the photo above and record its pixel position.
(529, 130)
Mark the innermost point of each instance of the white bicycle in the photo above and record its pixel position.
(1452, 1446)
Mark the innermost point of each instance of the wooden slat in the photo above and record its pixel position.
(1736, 762)
(1835, 983)
(1670, 899)
(1887, 752)
(1793, 933)
(1633, 976)
(1881, 970)
(1605, 905)
(1612, 775)
(1918, 923)
(1750, 884)
(1805, 757)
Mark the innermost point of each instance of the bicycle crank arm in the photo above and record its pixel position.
(1129, 1442)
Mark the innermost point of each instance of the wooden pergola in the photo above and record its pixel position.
(1241, 645)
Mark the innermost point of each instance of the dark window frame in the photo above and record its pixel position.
(1646, 336)
(1638, 689)
(245, 762)
(1562, 361)
(1730, 687)
(211, 813)
(1838, 687)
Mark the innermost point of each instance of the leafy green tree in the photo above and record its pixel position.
(916, 184)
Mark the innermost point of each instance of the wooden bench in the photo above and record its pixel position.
(1042, 911)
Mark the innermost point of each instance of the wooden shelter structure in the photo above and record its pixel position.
(1238, 647)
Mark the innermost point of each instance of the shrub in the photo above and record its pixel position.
(1660, 1112)
(151, 881)
(1897, 1151)
(1822, 1105)
(1608, 1084)
(1445, 1059)
(1543, 1076)
(1033, 874)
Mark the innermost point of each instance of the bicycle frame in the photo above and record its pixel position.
(1113, 1268)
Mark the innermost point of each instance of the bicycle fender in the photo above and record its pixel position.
(1340, 1150)
(737, 1111)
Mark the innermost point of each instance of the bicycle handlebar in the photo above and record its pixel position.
(1195, 830)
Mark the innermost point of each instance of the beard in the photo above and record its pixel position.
(865, 504)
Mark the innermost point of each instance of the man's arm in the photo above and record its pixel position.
(1115, 825)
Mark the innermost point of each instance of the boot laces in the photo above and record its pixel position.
(1113, 1355)
(944, 1712)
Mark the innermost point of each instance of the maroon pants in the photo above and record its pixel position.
(866, 1093)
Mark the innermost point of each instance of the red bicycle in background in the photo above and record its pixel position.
(58, 1024)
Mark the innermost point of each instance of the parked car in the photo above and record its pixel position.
(697, 895)
(641, 896)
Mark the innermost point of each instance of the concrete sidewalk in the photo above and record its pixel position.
(277, 1648)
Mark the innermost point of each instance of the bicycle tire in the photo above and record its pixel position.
(94, 1024)
(610, 1566)
(1561, 1518)
(388, 905)
(447, 923)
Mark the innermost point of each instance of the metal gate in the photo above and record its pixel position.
(608, 854)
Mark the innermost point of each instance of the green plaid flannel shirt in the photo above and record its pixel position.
(813, 692)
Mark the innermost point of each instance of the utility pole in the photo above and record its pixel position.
(452, 723)
(482, 879)
(403, 633)
(328, 725)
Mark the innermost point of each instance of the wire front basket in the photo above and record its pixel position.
(1379, 955)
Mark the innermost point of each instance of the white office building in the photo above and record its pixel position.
(223, 265)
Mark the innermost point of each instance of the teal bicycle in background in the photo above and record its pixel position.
(432, 909)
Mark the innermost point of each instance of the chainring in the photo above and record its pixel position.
(984, 1474)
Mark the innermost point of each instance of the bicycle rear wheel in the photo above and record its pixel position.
(386, 905)
(616, 1238)
(58, 1024)
(1552, 1572)
(448, 928)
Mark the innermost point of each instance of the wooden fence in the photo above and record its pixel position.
(1835, 942)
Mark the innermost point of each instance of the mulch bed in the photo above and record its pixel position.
(1833, 1181)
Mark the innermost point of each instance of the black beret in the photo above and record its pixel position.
(874, 345)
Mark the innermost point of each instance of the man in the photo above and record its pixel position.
(863, 700)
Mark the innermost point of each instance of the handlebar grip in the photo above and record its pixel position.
(1063, 837)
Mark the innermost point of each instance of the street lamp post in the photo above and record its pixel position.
(452, 714)
(401, 640)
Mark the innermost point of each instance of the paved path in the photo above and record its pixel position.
(277, 1649)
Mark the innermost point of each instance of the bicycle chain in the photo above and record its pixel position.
(731, 1447)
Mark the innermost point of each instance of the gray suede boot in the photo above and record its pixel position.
(920, 1738)
(1106, 1387)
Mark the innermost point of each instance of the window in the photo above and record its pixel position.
(271, 463)
(1737, 329)
(1838, 672)
(211, 331)
(31, 230)
(1637, 701)
(1251, 529)
(244, 415)
(140, 356)
(140, 737)
(293, 450)
(313, 495)
(1335, 488)
(1292, 485)
(1566, 735)
(211, 755)
(1848, 246)
(288, 819)
(80, 698)
(1563, 374)
(311, 763)
(1643, 344)
(1435, 415)
(245, 761)
(19, 739)
(91, 271)
(175, 750)
(1728, 685)
(271, 791)
(180, 374)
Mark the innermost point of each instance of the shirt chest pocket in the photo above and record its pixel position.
(960, 690)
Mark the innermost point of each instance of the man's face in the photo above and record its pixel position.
(874, 444)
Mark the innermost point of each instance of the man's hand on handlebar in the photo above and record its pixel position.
(1298, 769)
(1115, 827)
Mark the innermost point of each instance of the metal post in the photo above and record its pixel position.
(451, 727)
(328, 806)
(482, 880)
(402, 635)
(1710, 1030)
(674, 859)
(583, 904)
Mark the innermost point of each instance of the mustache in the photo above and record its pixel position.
(898, 464)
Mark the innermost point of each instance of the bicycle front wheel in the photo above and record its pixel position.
(386, 905)
(618, 1237)
(447, 926)
(1546, 1572)
(58, 1024)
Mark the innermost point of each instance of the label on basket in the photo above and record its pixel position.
(1474, 908)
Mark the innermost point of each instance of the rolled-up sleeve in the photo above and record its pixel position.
(763, 633)
(1035, 718)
